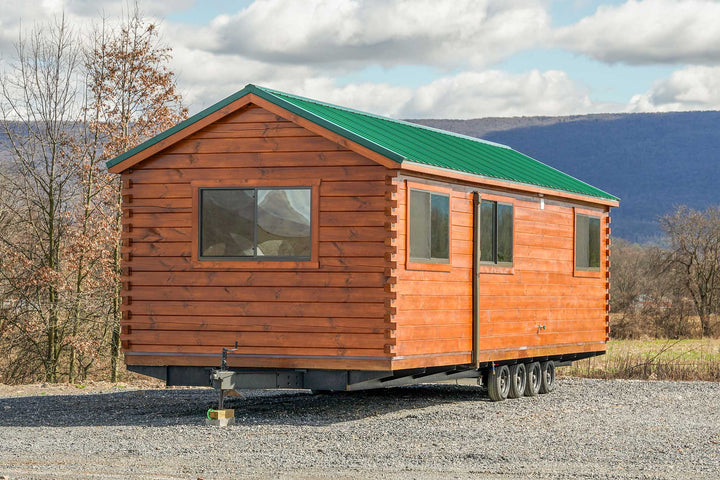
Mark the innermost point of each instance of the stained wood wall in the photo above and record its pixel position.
(177, 314)
(434, 308)
(360, 307)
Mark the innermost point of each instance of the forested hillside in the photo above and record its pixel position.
(651, 161)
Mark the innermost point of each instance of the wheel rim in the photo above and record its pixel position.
(520, 378)
(535, 376)
(550, 376)
(504, 381)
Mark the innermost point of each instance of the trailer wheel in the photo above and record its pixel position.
(547, 384)
(534, 379)
(498, 383)
(518, 377)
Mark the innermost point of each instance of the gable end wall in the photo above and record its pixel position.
(331, 316)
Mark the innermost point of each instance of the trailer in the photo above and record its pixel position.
(275, 241)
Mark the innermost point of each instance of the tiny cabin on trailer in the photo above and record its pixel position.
(334, 249)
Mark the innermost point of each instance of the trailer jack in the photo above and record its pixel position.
(222, 380)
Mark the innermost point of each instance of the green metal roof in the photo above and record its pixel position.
(407, 142)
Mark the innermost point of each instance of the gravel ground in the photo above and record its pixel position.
(587, 429)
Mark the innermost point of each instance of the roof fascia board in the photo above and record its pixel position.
(178, 132)
(517, 186)
(313, 126)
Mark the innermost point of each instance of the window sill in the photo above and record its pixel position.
(497, 269)
(432, 267)
(588, 273)
(255, 265)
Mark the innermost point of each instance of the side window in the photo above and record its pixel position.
(496, 233)
(587, 242)
(429, 227)
(255, 223)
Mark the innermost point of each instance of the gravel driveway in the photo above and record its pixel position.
(590, 429)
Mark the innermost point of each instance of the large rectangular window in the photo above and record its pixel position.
(255, 223)
(496, 233)
(587, 242)
(429, 227)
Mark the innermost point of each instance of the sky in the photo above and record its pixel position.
(429, 58)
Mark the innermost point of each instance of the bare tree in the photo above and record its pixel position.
(694, 255)
(92, 229)
(628, 273)
(38, 107)
(67, 106)
(134, 97)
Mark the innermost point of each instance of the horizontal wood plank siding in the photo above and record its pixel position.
(434, 308)
(333, 316)
(358, 304)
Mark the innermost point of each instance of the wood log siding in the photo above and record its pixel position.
(360, 308)
(339, 309)
(434, 308)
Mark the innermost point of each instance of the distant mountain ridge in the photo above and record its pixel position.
(483, 126)
(652, 161)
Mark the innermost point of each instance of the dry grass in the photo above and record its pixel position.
(690, 359)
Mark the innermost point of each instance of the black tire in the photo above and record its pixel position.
(547, 384)
(498, 383)
(534, 379)
(518, 377)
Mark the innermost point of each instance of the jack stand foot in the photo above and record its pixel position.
(220, 422)
(221, 418)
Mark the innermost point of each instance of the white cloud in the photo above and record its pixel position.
(693, 88)
(208, 78)
(378, 98)
(321, 32)
(300, 47)
(496, 93)
(205, 77)
(80, 16)
(646, 32)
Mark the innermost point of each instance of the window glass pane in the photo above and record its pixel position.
(581, 242)
(283, 222)
(594, 242)
(419, 224)
(505, 233)
(487, 233)
(227, 223)
(440, 226)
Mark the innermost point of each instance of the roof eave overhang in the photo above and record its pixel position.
(179, 132)
(415, 167)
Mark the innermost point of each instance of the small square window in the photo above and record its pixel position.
(587, 243)
(429, 227)
(496, 233)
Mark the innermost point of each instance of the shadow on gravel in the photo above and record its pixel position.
(188, 407)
